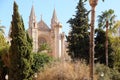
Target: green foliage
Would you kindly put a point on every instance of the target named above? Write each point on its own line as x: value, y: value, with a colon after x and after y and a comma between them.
x: 2, y: 29
x: 44, y: 47
x: 3, y: 67
x: 4, y: 62
x: 106, y: 73
x: 106, y: 16
x: 4, y: 53
x: 3, y: 70
x: 78, y: 38
x: 40, y: 60
x: 20, y: 50
x: 114, y: 31
x: 100, y: 48
x: 115, y: 74
x: 2, y: 40
x: 105, y: 20
x: 103, y: 72
x: 116, y: 51
x: 115, y: 40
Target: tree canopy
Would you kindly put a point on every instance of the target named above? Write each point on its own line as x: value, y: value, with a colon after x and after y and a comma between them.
x: 78, y: 38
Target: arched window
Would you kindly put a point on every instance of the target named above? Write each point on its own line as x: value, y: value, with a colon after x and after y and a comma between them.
x: 41, y: 41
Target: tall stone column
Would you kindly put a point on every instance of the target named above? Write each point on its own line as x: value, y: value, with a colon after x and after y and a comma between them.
x: 62, y: 45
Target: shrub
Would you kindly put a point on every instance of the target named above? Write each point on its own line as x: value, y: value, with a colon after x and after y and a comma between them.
x: 39, y: 61
x: 115, y: 75
x: 106, y: 73
x: 4, y: 61
x: 65, y: 71
x: 44, y: 48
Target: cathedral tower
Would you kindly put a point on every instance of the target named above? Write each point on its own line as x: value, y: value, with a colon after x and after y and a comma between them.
x: 33, y: 31
x: 56, y: 27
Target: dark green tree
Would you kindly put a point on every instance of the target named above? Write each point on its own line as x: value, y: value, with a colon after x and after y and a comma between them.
x: 100, y: 48
x: 20, y: 49
x: 78, y: 38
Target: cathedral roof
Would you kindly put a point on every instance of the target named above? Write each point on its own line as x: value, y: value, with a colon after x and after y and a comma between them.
x: 42, y: 26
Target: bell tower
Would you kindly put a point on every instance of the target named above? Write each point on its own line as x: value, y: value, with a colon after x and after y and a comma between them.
x: 33, y: 30
x: 56, y: 28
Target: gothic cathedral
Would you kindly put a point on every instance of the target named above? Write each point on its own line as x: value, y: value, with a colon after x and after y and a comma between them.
x: 41, y: 33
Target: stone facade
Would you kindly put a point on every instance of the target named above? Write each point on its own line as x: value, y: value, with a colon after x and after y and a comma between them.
x: 41, y: 33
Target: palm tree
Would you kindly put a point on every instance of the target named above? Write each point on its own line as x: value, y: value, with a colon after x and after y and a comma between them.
x: 115, y: 30
x: 93, y: 4
x: 105, y: 20
x: 1, y: 35
x: 1, y: 29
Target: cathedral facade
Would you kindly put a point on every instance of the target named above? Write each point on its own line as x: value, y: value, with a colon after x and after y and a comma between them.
x: 41, y: 33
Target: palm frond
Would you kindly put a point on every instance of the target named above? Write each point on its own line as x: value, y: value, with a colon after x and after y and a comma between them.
x: 103, y: 0
x: 2, y: 29
x: 106, y: 16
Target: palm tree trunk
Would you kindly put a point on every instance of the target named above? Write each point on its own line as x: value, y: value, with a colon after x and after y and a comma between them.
x: 93, y: 4
x: 92, y: 44
x: 106, y: 43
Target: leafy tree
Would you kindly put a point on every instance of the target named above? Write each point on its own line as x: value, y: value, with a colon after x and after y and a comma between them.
x: 78, y: 38
x: 39, y: 61
x: 2, y: 40
x: 4, y: 61
x: 116, y: 51
x: 3, y: 69
x: 115, y: 30
x: 1, y: 29
x: 44, y: 48
x: 106, y: 20
x: 114, y: 34
x: 4, y: 53
x: 20, y: 49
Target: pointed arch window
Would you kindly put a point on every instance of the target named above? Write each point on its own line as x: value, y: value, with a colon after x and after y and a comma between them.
x: 34, y: 24
x: 41, y: 41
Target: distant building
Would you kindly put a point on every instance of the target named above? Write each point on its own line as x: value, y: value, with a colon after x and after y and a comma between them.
x: 41, y: 33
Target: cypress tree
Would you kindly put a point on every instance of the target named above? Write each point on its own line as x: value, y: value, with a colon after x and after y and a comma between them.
x: 78, y: 38
x: 20, y: 49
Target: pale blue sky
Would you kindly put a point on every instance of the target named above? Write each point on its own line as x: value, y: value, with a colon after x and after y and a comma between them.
x: 64, y: 8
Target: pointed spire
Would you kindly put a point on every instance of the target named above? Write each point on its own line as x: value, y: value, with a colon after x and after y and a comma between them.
x: 54, y: 17
x: 32, y: 14
x: 41, y: 17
